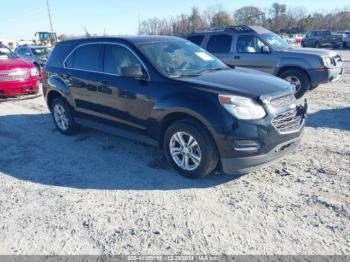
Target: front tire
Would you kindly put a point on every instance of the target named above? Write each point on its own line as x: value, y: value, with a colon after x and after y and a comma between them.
x: 190, y: 149
x: 299, y: 79
x: 63, y: 116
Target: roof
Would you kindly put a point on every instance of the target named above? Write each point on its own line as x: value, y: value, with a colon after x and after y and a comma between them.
x: 131, y: 39
x: 234, y: 29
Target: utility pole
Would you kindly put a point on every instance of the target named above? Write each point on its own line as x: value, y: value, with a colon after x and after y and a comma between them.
x: 48, y: 10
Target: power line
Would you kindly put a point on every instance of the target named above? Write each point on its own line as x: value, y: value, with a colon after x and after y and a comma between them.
x: 48, y: 10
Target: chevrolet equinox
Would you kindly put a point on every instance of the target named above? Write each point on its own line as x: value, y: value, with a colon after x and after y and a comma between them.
x: 206, y: 116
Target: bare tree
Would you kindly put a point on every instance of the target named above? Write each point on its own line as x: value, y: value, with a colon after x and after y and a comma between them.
x: 277, y: 18
x: 222, y: 18
x: 249, y: 15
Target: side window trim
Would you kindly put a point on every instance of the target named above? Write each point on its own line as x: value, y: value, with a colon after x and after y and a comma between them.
x: 103, y: 51
x: 72, y: 54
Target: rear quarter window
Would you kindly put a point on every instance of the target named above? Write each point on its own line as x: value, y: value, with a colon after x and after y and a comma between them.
x: 58, y: 55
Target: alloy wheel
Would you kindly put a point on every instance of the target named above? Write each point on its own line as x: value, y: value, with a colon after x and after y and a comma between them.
x: 294, y: 81
x: 185, y: 151
x: 61, y: 117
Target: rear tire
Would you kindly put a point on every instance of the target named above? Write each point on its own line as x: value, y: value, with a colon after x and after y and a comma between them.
x: 198, y: 160
x: 299, y: 78
x: 302, y: 44
x: 62, y: 115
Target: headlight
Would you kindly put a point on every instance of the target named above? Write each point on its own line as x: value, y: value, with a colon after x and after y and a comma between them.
x: 242, y: 107
x: 34, y: 71
x: 327, y: 61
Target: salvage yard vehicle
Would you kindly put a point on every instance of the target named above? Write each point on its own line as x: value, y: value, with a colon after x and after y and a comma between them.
x: 322, y: 38
x: 205, y: 115
x: 38, y: 55
x: 258, y: 48
x: 17, y: 76
x: 346, y: 38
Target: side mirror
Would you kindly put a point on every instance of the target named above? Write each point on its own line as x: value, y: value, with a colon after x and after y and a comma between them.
x: 134, y: 71
x: 265, y: 49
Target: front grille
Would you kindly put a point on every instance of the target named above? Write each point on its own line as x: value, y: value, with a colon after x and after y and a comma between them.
x: 14, y: 75
x: 287, y: 122
x: 282, y: 100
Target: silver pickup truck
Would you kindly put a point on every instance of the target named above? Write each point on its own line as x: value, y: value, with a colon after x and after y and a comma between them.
x: 258, y: 48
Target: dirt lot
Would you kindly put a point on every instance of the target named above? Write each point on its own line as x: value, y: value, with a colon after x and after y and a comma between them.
x: 95, y: 193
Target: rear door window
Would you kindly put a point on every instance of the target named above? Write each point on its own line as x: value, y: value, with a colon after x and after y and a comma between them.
x: 86, y: 57
x: 196, y: 39
x: 220, y: 43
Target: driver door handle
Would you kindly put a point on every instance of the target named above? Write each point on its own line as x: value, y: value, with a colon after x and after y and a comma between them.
x: 237, y: 57
x: 102, y: 87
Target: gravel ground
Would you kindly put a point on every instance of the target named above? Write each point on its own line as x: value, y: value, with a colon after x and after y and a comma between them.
x: 95, y: 193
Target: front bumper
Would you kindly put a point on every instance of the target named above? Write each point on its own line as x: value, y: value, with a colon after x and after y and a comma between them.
x: 244, y: 165
x: 325, y: 75
x: 18, y: 88
x: 255, y: 144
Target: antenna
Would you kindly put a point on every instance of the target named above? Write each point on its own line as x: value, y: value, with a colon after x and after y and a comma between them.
x: 48, y: 10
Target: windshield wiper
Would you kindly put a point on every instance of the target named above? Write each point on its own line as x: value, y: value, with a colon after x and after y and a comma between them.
x: 212, y: 70
x: 199, y: 73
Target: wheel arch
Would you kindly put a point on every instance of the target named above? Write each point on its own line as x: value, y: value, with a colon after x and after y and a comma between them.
x: 51, y: 96
x: 56, y: 88
x: 292, y: 67
x: 178, y: 115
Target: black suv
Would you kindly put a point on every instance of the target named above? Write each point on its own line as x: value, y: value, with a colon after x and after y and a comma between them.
x: 206, y: 116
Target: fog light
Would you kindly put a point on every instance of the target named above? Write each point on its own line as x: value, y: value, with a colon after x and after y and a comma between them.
x: 246, y: 145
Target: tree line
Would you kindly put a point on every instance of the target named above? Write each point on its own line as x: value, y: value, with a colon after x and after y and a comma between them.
x: 278, y: 18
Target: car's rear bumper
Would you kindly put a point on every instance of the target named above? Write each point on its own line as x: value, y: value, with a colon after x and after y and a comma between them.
x: 18, y: 88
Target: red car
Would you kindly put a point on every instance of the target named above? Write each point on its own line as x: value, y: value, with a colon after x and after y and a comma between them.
x: 17, y: 76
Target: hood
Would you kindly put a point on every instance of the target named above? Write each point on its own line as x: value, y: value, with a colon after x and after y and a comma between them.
x: 12, y: 63
x: 241, y: 81
x: 311, y: 51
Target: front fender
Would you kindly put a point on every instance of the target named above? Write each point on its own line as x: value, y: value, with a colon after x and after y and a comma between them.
x: 293, y: 62
x: 205, y: 108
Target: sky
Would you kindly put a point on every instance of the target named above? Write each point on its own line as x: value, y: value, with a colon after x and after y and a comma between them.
x: 21, y: 19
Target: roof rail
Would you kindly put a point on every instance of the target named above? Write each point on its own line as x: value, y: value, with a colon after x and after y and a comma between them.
x: 235, y: 28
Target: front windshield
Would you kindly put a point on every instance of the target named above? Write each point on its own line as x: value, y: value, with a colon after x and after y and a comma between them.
x: 5, y: 52
x: 40, y: 51
x: 180, y: 58
x: 275, y: 41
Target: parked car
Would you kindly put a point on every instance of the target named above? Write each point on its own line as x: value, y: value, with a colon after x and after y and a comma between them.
x: 322, y: 38
x: 17, y: 76
x: 35, y: 54
x: 258, y: 48
x: 205, y: 115
x: 294, y: 38
x: 346, y: 38
x: 298, y: 38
